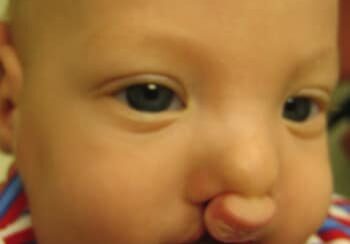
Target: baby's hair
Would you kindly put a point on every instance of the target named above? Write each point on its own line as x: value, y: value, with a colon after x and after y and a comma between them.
x: 30, y: 20
x: 18, y: 18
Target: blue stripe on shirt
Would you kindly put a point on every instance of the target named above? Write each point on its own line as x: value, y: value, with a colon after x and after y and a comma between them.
x: 9, y: 194
x: 331, y: 224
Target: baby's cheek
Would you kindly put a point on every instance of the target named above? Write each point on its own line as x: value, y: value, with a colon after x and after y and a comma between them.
x: 101, y: 206
x: 84, y: 214
x: 303, y: 201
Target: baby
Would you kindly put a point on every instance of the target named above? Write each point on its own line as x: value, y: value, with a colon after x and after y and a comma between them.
x: 168, y: 122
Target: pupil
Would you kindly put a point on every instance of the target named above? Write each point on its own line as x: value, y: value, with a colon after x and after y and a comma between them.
x: 151, y: 92
x: 149, y: 97
x: 297, y: 109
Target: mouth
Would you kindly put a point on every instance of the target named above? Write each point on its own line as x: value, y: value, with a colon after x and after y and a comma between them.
x: 207, y: 239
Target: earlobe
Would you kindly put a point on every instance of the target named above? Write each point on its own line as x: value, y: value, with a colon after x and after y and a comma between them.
x: 10, y: 85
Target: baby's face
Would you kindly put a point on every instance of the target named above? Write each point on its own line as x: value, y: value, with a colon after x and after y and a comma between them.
x: 152, y: 121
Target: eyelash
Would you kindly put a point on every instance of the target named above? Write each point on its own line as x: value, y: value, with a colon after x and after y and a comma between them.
x: 154, y: 87
x: 136, y: 95
x: 149, y: 93
x: 314, y: 108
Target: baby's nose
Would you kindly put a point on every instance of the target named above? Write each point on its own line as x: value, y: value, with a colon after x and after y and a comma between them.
x: 232, y: 218
x: 235, y: 171
x: 243, y: 162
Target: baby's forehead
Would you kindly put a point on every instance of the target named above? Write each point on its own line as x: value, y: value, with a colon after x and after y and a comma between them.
x: 121, y: 5
x: 227, y: 17
x: 63, y: 7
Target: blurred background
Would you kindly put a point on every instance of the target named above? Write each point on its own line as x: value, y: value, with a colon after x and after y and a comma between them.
x: 339, y: 121
x: 339, y: 118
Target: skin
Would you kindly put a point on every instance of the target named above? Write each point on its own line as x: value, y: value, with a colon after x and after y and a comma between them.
x: 345, y: 40
x: 98, y: 171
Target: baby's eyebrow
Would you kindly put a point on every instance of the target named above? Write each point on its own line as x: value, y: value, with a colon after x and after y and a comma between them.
x: 316, y: 64
x: 172, y: 46
x: 320, y: 67
x: 316, y: 56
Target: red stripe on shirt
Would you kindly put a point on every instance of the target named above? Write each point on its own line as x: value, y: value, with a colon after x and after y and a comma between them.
x: 345, y: 222
x: 333, y: 234
x: 21, y: 237
x: 15, y: 210
x: 341, y: 202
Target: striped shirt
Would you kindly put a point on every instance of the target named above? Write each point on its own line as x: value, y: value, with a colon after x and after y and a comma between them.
x: 15, y: 223
x: 16, y: 228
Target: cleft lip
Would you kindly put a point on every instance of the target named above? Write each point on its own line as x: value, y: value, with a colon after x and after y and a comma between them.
x: 235, y: 219
x: 231, y: 218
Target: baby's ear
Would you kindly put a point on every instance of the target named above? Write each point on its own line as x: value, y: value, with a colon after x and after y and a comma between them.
x: 10, y: 84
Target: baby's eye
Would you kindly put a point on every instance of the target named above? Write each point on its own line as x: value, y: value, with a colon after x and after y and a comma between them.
x: 150, y: 97
x: 300, y: 109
